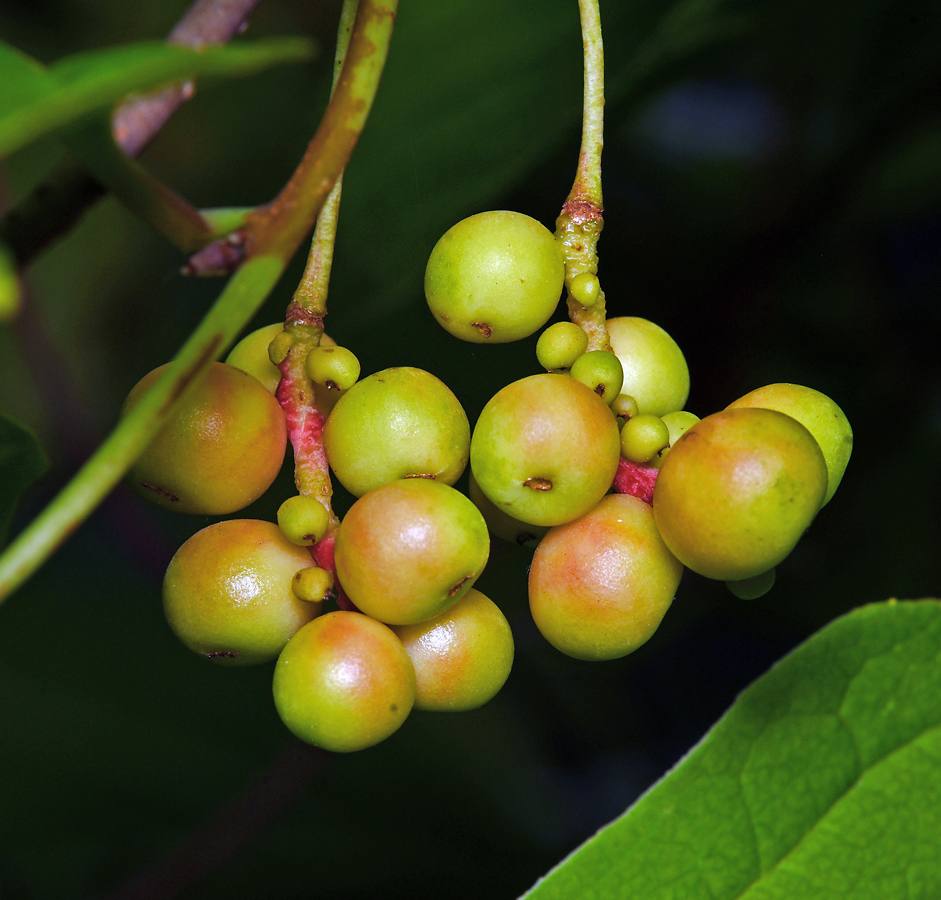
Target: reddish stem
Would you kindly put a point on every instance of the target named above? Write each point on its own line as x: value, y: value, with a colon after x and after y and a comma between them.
x: 636, y: 480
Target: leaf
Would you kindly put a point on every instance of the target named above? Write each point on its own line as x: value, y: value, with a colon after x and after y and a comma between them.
x: 44, y: 100
x: 22, y: 461
x: 823, y: 780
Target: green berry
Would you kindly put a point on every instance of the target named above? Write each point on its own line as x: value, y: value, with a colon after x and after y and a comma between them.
x: 336, y: 368
x: 600, y: 585
x: 678, y: 423
x: 494, y: 277
x: 560, y: 345
x: 737, y: 491
x: 752, y: 588
x: 461, y: 658
x: 655, y: 371
x: 624, y: 406
x: 643, y: 437
x: 818, y: 414
x: 312, y: 584
x: 398, y: 423
x: 219, y: 451
x: 545, y: 449
x: 601, y: 372
x: 409, y: 550
x: 304, y: 520
x: 344, y: 682
x: 585, y: 288
x: 227, y: 591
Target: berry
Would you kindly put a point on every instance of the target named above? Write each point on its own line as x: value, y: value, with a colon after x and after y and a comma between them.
x: 736, y: 492
x: 585, y: 288
x: 678, y: 423
x: 818, y: 414
x: 398, y: 423
x: 500, y: 523
x: 752, y: 588
x: 599, y: 586
x: 560, y: 345
x: 335, y: 368
x: 601, y: 372
x: 344, y: 682
x: 643, y: 437
x: 408, y: 550
x: 494, y: 277
x: 312, y: 585
x: 251, y: 355
x: 304, y: 520
x: 227, y: 591
x: 545, y: 449
x: 655, y: 371
x: 624, y: 406
x: 461, y: 658
x: 219, y: 451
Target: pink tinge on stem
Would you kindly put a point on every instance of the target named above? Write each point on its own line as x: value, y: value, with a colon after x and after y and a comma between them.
x: 636, y: 480
x: 322, y: 554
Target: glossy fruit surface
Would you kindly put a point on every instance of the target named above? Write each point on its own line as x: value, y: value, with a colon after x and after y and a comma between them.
x: 499, y: 523
x: 227, y: 592
x: 737, y: 490
x: 601, y: 372
x: 408, y: 550
x: 397, y: 423
x: 219, y: 451
x: 250, y: 354
x: 818, y: 414
x: 599, y: 586
x: 655, y: 371
x: 545, y: 449
x: 560, y: 345
x: 461, y: 658
x: 344, y: 682
x: 494, y: 277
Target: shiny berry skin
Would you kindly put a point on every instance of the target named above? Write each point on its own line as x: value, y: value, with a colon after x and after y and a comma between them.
x: 545, y: 449
x: 344, y: 682
x: 398, y: 423
x: 494, y: 277
x: 250, y: 355
x: 227, y: 592
x: 409, y: 550
x: 599, y: 586
x: 461, y: 658
x: 219, y: 451
x: 737, y: 490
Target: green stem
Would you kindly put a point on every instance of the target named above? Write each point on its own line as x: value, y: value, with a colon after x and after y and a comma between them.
x: 238, y: 302
x: 580, y: 222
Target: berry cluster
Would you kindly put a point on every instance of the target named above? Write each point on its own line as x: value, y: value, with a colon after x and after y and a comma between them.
x: 594, y: 461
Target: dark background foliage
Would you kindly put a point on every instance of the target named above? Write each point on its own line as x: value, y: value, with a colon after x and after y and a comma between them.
x: 773, y: 199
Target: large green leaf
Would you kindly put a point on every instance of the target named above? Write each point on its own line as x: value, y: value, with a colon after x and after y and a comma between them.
x: 41, y: 100
x: 823, y: 780
x: 22, y: 461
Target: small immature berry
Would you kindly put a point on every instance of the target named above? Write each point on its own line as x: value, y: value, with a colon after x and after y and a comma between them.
x: 312, y: 584
x: 585, y: 288
x: 643, y: 437
x: 334, y: 367
x: 560, y: 345
x: 601, y: 371
x: 624, y: 406
x: 754, y: 587
x: 304, y: 520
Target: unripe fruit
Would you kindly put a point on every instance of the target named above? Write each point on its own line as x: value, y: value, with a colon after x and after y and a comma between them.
x: 461, y: 658
x: 251, y: 355
x: 312, y: 585
x: 545, y: 449
x: 754, y: 587
x: 344, y: 682
x: 655, y: 371
x: 219, y: 451
x: 585, y: 288
x: 643, y: 437
x: 818, y: 414
x: 408, y: 550
x: 494, y: 277
x: 227, y: 591
x: 560, y: 345
x: 398, y: 423
x: 601, y: 372
x: 335, y: 368
x: 303, y: 520
x: 737, y: 491
x: 599, y: 586
x: 678, y: 423
x: 499, y: 523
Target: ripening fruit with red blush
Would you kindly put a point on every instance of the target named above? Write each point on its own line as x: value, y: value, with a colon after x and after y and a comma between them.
x: 344, y: 682
x: 461, y: 658
x: 599, y: 586
x: 227, y: 592
x: 219, y: 451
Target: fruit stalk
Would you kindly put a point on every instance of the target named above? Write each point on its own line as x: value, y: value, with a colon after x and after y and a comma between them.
x: 580, y: 222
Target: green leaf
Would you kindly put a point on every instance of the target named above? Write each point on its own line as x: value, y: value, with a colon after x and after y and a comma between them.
x: 22, y: 461
x: 823, y: 780
x: 45, y: 100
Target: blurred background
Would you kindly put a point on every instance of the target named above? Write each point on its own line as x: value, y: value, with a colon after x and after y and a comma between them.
x: 772, y: 176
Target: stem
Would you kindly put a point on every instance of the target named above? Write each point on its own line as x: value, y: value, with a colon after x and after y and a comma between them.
x: 236, y: 305
x: 580, y: 222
